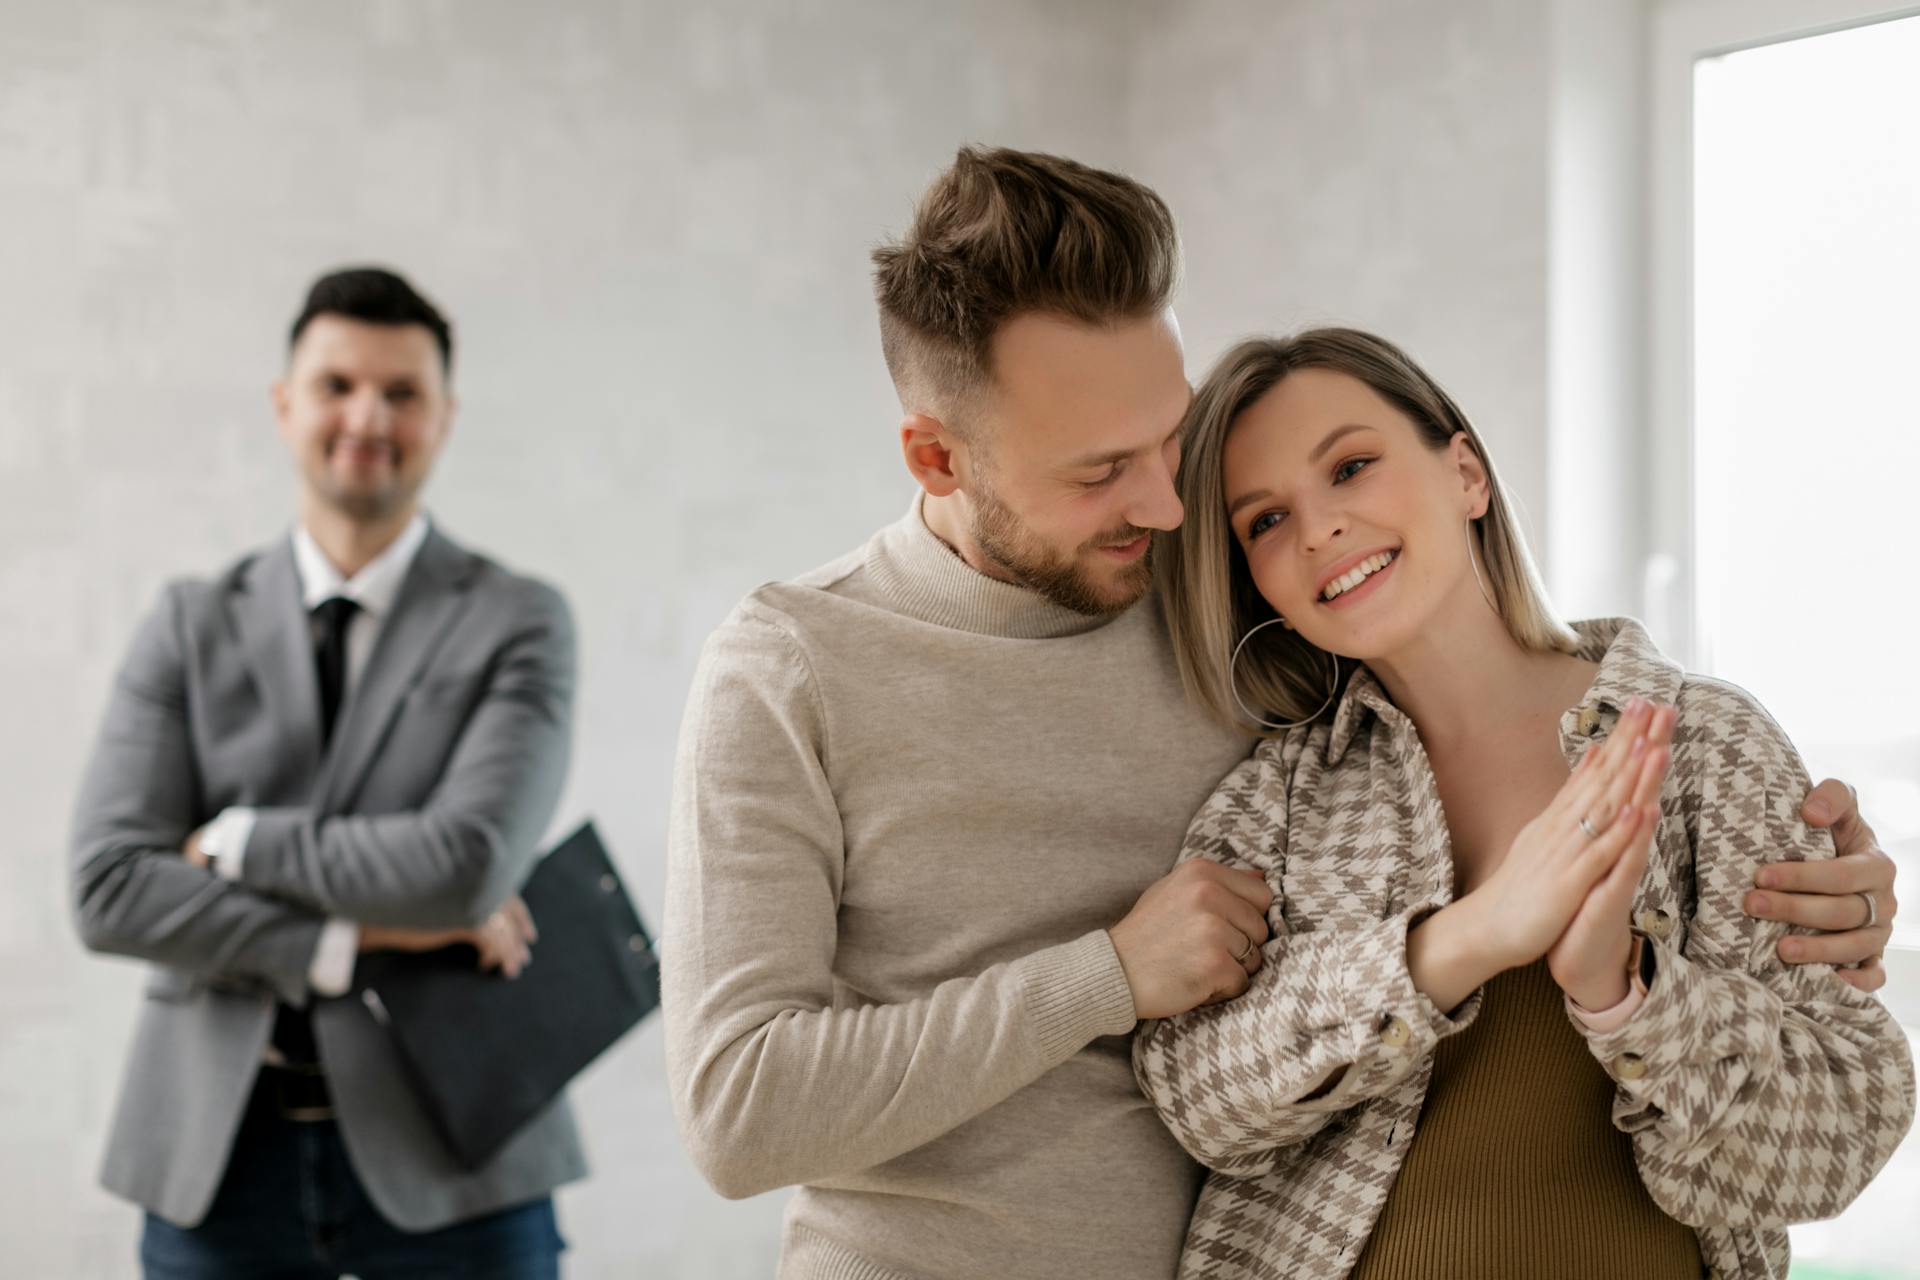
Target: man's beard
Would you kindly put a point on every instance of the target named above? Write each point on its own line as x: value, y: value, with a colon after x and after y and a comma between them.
x: 1012, y: 547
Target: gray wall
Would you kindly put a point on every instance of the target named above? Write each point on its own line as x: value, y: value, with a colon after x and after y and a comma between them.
x: 650, y: 223
x: 1378, y: 163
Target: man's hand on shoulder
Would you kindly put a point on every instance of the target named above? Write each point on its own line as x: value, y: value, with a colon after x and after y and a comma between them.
x: 1849, y: 898
x: 1193, y: 938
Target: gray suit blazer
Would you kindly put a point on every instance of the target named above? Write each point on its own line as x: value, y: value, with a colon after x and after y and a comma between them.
x: 443, y: 771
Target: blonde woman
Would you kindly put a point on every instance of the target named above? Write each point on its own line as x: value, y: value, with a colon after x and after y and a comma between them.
x: 1511, y: 1019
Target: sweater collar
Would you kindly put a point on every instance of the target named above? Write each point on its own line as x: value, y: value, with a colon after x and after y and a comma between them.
x: 927, y: 580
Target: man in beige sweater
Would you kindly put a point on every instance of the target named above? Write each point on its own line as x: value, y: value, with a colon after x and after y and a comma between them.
x: 928, y: 795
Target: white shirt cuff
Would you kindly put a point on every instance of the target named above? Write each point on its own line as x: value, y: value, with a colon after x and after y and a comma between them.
x: 331, y: 972
x: 227, y: 836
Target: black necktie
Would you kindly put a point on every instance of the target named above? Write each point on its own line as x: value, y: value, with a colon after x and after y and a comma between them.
x: 292, y: 1028
x: 330, y: 621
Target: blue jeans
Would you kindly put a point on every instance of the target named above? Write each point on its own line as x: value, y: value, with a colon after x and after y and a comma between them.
x: 290, y: 1208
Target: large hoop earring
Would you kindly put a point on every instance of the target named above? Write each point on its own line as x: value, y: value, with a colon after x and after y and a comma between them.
x: 1233, y: 683
x: 1473, y: 564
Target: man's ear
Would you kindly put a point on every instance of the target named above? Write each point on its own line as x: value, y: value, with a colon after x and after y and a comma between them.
x: 934, y: 455
x: 280, y: 396
x: 1474, y: 481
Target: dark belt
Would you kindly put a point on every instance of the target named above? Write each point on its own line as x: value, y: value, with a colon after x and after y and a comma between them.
x: 294, y: 1091
x: 293, y: 1083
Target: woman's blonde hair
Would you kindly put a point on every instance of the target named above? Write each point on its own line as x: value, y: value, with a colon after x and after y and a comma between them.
x: 1210, y: 596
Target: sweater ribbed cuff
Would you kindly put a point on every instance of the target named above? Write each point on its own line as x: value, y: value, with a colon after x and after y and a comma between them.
x: 808, y: 1255
x: 1075, y: 992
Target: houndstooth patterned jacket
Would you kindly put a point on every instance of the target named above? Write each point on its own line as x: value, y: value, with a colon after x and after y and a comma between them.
x: 1756, y: 1093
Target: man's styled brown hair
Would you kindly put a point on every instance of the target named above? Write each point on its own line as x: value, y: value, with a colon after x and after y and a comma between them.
x: 1001, y: 233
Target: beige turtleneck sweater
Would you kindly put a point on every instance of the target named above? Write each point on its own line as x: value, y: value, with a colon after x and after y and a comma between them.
x: 908, y: 803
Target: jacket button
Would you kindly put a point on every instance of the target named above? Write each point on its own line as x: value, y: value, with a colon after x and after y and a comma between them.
x: 1655, y: 923
x: 1630, y: 1066
x: 1395, y: 1033
x: 1589, y: 721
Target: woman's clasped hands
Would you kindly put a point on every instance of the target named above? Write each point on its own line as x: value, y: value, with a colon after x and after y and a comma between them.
x: 1565, y: 889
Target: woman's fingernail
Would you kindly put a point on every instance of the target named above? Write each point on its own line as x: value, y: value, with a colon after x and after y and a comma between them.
x: 1819, y: 811
x: 1758, y: 904
x: 1793, y: 948
x: 1767, y: 878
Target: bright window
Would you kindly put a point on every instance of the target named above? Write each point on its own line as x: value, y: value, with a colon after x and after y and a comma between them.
x: 1805, y: 468
x: 1806, y: 409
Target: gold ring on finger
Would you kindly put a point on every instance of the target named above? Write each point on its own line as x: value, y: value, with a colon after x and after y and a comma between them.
x: 1247, y: 951
x: 1588, y: 829
x: 1873, y: 910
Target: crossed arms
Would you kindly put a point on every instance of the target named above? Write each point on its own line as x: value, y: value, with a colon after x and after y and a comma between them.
x: 447, y: 864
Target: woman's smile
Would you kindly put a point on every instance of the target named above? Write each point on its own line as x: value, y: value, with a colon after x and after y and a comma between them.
x: 1357, y: 579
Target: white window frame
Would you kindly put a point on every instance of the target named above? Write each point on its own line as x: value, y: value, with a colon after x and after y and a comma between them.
x: 1684, y: 31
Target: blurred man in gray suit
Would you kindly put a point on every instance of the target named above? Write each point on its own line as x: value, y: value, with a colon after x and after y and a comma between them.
x: 348, y: 741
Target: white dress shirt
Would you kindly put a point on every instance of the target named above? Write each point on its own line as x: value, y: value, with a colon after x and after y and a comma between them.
x: 373, y: 589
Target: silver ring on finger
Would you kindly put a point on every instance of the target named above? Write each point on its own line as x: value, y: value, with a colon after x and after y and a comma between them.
x: 1588, y: 829
x: 1873, y: 909
x: 1242, y: 957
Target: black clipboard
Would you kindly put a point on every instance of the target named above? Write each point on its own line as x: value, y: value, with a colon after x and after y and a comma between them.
x: 486, y: 1053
